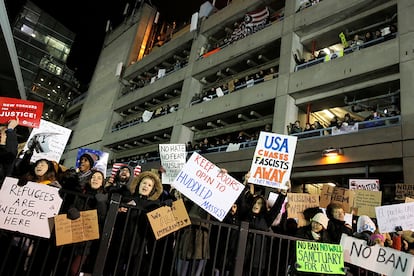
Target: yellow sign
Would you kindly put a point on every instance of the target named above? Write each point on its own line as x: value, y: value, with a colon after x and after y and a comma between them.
x: 82, y: 229
x: 166, y: 220
x: 319, y: 257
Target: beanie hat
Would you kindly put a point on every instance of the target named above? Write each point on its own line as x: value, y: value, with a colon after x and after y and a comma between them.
x: 365, y: 223
x: 92, y: 158
x: 322, y: 219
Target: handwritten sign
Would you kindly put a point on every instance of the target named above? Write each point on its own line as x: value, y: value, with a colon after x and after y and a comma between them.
x: 166, y: 220
x: 28, y: 112
x: 365, y: 202
x: 273, y: 160
x: 326, y: 194
x: 299, y: 202
x: 343, y: 196
x: 403, y: 190
x: 49, y: 141
x: 390, y: 216
x: 27, y: 208
x: 409, y: 199
x: 319, y: 257
x: 172, y: 159
x: 380, y: 259
x: 85, y: 228
x: 204, y: 183
x: 364, y: 184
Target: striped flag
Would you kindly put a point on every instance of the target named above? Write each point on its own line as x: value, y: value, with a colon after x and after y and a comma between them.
x: 257, y: 16
x: 115, y: 168
x: 253, y: 22
x: 137, y: 170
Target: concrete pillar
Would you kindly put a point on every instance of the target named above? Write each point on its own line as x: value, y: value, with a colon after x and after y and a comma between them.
x: 406, y: 39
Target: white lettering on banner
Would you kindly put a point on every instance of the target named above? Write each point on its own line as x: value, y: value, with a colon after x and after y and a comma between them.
x: 383, y: 260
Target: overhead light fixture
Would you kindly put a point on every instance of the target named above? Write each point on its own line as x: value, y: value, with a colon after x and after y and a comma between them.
x: 329, y: 152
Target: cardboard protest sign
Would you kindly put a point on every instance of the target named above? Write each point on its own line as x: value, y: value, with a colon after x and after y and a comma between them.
x: 27, y: 208
x: 343, y: 196
x: 319, y: 257
x: 28, y: 112
x: 48, y: 141
x: 380, y: 259
x: 390, y: 216
x: 409, y: 199
x: 365, y: 202
x: 166, y: 220
x: 273, y: 160
x: 326, y: 194
x: 85, y: 228
x: 364, y: 184
x: 403, y: 190
x: 204, y: 183
x: 100, y: 158
x: 172, y: 159
x: 298, y: 202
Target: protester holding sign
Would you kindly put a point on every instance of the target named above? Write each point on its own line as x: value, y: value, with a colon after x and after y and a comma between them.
x: 94, y: 198
x: 146, y: 189
x: 8, y: 148
x: 254, y: 210
x: 42, y: 172
x: 120, y: 182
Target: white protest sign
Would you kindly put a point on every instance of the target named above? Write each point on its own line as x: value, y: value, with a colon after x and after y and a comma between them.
x: 273, y: 160
x: 27, y: 208
x: 48, y: 141
x: 172, y: 159
x: 390, y: 216
x: 204, y: 183
x: 364, y: 184
x: 380, y: 259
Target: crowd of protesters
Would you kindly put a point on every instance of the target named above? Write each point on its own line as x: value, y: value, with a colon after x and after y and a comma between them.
x: 144, y: 192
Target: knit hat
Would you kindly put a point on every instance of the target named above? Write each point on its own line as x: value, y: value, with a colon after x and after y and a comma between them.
x: 365, y: 223
x: 92, y: 158
x: 322, y: 219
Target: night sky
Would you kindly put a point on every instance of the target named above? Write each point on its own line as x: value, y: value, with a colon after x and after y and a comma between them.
x: 87, y: 18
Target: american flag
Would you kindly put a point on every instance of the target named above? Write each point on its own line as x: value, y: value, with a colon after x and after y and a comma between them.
x: 116, y: 166
x: 253, y: 22
x: 257, y: 16
x: 137, y: 170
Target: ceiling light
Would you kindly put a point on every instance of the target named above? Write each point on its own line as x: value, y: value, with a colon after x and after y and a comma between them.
x: 332, y: 152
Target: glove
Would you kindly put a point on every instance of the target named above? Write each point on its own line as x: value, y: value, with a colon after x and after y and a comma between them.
x: 168, y: 202
x: 100, y: 197
x: 73, y: 213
